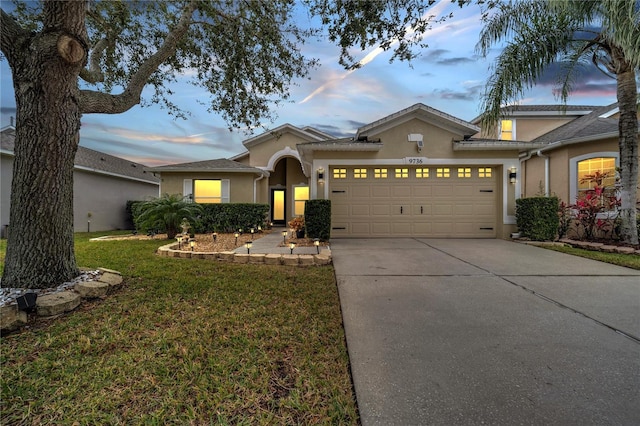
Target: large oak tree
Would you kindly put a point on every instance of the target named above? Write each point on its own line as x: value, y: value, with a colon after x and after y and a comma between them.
x: 70, y: 58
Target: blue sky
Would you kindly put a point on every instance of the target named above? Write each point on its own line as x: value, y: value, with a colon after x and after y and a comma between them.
x: 448, y: 76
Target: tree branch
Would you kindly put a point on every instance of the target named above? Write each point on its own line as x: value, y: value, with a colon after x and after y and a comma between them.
x: 11, y: 34
x: 94, y: 73
x: 96, y: 102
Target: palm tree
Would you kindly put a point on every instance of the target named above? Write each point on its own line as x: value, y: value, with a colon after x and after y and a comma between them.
x: 573, y: 32
x: 167, y: 213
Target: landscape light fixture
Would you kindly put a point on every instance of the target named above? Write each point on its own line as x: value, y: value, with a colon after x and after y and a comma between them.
x: 248, y: 246
x: 179, y: 238
x: 27, y: 302
x: 284, y: 237
x: 252, y: 231
x: 192, y: 243
x: 316, y: 242
x: 512, y: 175
x: 215, y: 237
x: 237, y: 234
x: 292, y: 245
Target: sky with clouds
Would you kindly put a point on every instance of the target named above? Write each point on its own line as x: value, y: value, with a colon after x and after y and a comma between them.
x: 448, y: 76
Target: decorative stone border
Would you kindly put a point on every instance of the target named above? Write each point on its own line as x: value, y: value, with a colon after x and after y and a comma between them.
x: 586, y: 245
x: 324, y: 258
x: 59, y: 302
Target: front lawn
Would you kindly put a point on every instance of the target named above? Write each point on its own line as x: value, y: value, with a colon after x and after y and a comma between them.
x: 184, y: 342
x: 627, y: 260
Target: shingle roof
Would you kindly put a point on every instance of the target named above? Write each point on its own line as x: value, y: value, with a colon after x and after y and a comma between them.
x: 90, y: 160
x: 218, y: 165
x: 585, y: 127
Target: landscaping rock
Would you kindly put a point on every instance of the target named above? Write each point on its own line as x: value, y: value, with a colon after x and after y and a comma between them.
x: 256, y: 258
x: 227, y: 256
x: 625, y: 250
x: 608, y: 249
x: 290, y: 260
x: 109, y: 271
x: 305, y: 259
x: 57, y: 303
x: 92, y: 289
x: 113, y: 279
x: 273, y: 259
x: 11, y: 318
x: 322, y: 259
x: 241, y: 258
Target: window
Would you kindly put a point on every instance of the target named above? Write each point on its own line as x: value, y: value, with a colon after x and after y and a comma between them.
x: 300, y: 195
x: 506, y: 130
x: 207, y: 191
x: 422, y: 173
x: 380, y: 173
x: 339, y: 173
x: 402, y: 173
x: 464, y: 172
x: 599, y: 171
x: 484, y: 172
x: 442, y: 172
x: 359, y: 173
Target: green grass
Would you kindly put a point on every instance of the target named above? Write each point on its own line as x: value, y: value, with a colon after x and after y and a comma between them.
x: 627, y: 260
x: 185, y: 342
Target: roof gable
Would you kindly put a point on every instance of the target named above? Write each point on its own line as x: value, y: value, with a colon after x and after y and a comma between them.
x: 421, y: 112
x: 588, y: 127
x: 305, y: 135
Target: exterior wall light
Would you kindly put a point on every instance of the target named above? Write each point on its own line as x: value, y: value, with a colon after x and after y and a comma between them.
x: 512, y: 174
x: 320, y: 173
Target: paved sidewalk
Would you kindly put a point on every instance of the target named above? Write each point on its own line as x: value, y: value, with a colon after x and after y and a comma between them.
x: 469, y: 332
x: 270, y: 244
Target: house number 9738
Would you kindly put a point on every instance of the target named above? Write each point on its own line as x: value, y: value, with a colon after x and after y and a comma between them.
x: 415, y: 160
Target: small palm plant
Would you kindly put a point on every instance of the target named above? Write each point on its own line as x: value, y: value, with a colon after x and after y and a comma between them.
x: 167, y: 212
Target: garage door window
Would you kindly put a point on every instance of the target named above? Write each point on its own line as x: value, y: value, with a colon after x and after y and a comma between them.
x: 402, y: 173
x: 339, y: 173
x: 443, y: 172
x: 464, y: 172
x: 380, y: 173
x: 359, y: 173
x: 422, y: 173
x: 484, y: 172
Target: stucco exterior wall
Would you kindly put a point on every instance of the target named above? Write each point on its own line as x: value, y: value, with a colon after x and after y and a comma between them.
x: 527, y: 129
x: 240, y: 184
x: 262, y: 153
x: 105, y: 197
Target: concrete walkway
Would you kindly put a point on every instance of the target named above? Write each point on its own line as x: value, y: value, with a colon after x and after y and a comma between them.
x: 270, y: 244
x: 468, y: 332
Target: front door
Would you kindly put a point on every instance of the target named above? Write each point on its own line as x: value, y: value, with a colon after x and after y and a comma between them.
x: 278, y: 208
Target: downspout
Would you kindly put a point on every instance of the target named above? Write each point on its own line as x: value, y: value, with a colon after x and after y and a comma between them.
x: 255, y: 187
x: 546, y: 171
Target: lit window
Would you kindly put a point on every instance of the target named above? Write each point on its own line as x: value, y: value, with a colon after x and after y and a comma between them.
x: 464, y: 172
x: 506, y: 130
x: 484, y: 172
x: 207, y: 191
x: 402, y: 173
x: 300, y: 195
x: 422, y: 173
x: 380, y: 173
x: 596, y: 171
x: 443, y: 172
x: 360, y: 173
x: 339, y: 173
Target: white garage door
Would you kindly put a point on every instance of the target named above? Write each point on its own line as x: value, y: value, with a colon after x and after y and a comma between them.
x: 437, y: 202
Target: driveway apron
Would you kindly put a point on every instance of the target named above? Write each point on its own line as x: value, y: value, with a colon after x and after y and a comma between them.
x: 468, y: 332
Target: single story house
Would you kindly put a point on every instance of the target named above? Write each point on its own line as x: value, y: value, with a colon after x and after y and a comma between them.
x: 417, y: 172
x: 102, y: 185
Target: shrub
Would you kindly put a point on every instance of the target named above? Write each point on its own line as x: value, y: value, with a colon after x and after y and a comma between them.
x: 317, y: 215
x: 166, y: 214
x: 231, y: 217
x: 132, y: 209
x: 537, y: 217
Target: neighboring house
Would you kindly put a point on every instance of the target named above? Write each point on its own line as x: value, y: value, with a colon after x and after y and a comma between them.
x: 418, y: 172
x: 102, y: 185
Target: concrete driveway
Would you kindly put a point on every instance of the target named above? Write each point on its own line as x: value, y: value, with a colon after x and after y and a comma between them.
x: 469, y: 332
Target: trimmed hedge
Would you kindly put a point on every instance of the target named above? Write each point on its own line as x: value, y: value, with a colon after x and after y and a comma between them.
x: 133, y: 211
x: 537, y: 218
x: 317, y: 219
x: 231, y: 217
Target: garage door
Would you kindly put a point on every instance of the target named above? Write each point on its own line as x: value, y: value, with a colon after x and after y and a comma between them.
x: 437, y: 202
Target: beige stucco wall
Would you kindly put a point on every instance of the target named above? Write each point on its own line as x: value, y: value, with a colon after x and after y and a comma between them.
x: 262, y: 152
x: 528, y: 129
x: 240, y: 184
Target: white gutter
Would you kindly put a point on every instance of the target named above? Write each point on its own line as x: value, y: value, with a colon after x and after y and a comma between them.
x: 255, y: 187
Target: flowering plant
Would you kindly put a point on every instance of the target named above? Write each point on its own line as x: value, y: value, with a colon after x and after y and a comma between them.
x: 297, y: 223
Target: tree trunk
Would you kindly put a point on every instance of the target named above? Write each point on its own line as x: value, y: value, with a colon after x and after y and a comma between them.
x: 628, y: 146
x: 40, y: 251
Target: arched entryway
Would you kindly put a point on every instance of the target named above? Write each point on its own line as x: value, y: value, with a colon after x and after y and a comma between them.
x: 288, y: 189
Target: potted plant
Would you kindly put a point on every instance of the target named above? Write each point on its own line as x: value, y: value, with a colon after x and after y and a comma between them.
x: 297, y: 224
